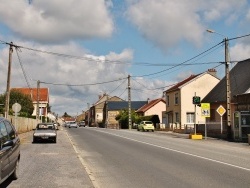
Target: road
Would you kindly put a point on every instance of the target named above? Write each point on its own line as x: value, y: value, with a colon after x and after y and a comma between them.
x: 124, y: 158
x: 94, y: 157
x: 49, y: 165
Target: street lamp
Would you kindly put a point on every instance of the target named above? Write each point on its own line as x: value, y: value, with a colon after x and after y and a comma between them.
x: 228, y: 90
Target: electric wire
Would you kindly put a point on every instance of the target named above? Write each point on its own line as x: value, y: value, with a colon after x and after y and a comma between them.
x: 77, y: 85
x: 21, y: 65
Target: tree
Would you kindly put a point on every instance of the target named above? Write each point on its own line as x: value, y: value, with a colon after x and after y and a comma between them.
x: 16, y: 96
x: 122, y: 117
x: 66, y: 115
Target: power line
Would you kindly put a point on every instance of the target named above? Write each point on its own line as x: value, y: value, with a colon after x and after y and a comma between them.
x: 77, y: 85
x: 20, y: 62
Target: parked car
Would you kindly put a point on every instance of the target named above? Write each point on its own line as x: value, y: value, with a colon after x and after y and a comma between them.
x: 146, y: 126
x: 73, y: 124
x: 45, y: 131
x: 9, y: 150
x: 81, y: 124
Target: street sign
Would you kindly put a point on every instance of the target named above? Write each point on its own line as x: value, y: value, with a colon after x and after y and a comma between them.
x: 221, y: 110
x: 205, y: 109
x: 16, y: 107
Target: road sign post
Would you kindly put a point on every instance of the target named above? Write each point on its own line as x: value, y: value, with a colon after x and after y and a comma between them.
x: 221, y: 110
x: 205, y: 112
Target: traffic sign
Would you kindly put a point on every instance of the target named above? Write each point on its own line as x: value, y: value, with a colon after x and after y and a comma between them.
x: 205, y: 109
x: 16, y: 107
x: 221, y: 110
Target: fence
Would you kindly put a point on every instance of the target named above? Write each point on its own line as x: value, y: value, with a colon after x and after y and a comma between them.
x: 22, y: 124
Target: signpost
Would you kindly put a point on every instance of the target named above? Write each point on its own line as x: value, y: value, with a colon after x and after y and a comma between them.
x: 16, y: 108
x: 221, y: 110
x: 205, y: 112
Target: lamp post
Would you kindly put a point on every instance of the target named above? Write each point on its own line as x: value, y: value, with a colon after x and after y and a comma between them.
x: 228, y: 89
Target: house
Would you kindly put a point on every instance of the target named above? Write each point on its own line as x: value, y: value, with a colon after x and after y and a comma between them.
x: 153, y: 107
x: 112, y: 109
x: 43, y: 96
x: 239, y: 104
x: 95, y: 117
x: 180, y: 111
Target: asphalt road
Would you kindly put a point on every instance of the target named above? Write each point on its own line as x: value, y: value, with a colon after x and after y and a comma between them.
x: 92, y: 157
x: 124, y: 158
x: 49, y: 165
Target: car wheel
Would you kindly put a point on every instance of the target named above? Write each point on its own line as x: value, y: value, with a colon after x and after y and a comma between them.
x: 15, y: 174
x: 34, y: 140
x: 55, y: 141
x: 138, y: 129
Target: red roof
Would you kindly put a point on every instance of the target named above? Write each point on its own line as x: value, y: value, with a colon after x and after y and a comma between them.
x: 176, y: 87
x: 150, y: 105
x: 43, y: 93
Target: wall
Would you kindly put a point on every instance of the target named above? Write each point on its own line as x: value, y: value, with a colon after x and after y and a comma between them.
x: 22, y: 124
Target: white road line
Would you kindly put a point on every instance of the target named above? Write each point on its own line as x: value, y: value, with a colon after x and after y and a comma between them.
x: 177, y: 151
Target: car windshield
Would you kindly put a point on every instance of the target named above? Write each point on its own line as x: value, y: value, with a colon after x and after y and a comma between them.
x: 45, y: 127
x: 148, y: 122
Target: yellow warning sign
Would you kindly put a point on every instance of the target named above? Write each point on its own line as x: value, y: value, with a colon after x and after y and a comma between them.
x: 205, y: 109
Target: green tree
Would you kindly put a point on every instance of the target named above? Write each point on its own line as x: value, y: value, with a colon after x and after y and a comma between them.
x: 17, y: 97
x: 66, y: 115
x: 122, y: 117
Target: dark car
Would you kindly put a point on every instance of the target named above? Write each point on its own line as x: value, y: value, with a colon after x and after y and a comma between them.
x: 45, y: 132
x: 9, y: 151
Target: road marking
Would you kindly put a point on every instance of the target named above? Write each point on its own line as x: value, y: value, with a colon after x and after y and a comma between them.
x: 177, y: 151
x: 91, y: 177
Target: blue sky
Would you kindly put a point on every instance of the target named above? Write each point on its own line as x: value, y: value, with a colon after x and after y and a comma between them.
x: 115, y: 39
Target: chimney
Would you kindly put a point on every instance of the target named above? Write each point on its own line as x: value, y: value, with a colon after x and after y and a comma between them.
x: 212, y: 72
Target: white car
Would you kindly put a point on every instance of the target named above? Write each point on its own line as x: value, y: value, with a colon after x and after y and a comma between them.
x: 73, y: 125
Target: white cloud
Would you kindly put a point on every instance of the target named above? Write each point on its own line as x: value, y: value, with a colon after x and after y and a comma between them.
x: 73, y: 72
x: 56, y: 21
x: 240, y: 52
x: 167, y: 23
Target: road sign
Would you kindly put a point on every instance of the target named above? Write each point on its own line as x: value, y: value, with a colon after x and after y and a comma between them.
x: 205, y: 109
x: 16, y: 107
x: 221, y: 110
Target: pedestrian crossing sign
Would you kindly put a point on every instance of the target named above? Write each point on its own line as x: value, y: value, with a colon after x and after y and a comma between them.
x: 205, y: 109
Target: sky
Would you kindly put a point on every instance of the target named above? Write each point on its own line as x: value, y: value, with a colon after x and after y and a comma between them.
x: 81, y: 49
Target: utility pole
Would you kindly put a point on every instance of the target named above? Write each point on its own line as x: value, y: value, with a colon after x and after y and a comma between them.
x: 37, y: 98
x: 129, y: 104
x: 228, y: 89
x: 7, y: 100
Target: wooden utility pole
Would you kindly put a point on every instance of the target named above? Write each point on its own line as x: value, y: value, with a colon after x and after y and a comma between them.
x: 7, y: 99
x: 129, y: 104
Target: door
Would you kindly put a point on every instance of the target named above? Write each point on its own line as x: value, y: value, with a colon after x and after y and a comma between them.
x: 5, y: 151
x: 15, y: 150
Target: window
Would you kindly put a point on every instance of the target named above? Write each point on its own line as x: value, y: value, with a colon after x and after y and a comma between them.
x: 167, y: 100
x: 177, y: 118
x: 10, y: 130
x: 190, y: 117
x: 3, y: 134
x: 176, y: 98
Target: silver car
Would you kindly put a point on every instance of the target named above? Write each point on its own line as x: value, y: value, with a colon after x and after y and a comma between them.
x: 45, y: 132
x: 73, y: 124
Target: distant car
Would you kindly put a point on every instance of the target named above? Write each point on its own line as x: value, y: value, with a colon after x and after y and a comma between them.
x: 66, y: 124
x: 146, y: 126
x: 56, y: 126
x: 73, y: 124
x: 45, y: 132
x: 81, y: 124
x: 9, y: 151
